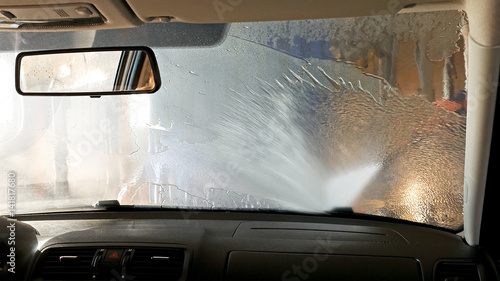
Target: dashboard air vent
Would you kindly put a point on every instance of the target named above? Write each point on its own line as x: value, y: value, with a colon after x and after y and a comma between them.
x: 157, y: 264
x: 65, y: 264
x: 457, y: 271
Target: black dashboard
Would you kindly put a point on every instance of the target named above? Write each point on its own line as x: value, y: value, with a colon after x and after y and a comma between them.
x: 199, y: 245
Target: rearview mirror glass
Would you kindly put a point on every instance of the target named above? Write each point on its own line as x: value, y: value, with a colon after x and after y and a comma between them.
x: 87, y: 72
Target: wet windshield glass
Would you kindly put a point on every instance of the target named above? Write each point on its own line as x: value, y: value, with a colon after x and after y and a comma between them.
x: 365, y: 113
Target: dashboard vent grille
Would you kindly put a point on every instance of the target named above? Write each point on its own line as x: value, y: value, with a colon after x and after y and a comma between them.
x: 62, y: 13
x: 457, y: 271
x: 157, y: 264
x: 65, y: 264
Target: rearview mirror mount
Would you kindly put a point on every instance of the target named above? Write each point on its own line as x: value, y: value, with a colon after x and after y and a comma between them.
x: 87, y: 72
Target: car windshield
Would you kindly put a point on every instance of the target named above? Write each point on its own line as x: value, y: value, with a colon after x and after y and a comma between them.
x: 307, y: 116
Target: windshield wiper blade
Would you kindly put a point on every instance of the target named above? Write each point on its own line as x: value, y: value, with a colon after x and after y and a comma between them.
x: 106, y: 204
x: 115, y: 205
x: 341, y: 210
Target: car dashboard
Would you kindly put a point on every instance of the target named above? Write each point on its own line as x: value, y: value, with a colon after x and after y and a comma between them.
x: 201, y: 245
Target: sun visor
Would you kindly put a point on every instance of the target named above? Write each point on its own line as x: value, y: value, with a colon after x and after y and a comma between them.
x: 168, y: 35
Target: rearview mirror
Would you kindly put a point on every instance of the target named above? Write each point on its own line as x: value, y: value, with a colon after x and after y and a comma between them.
x: 87, y: 72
